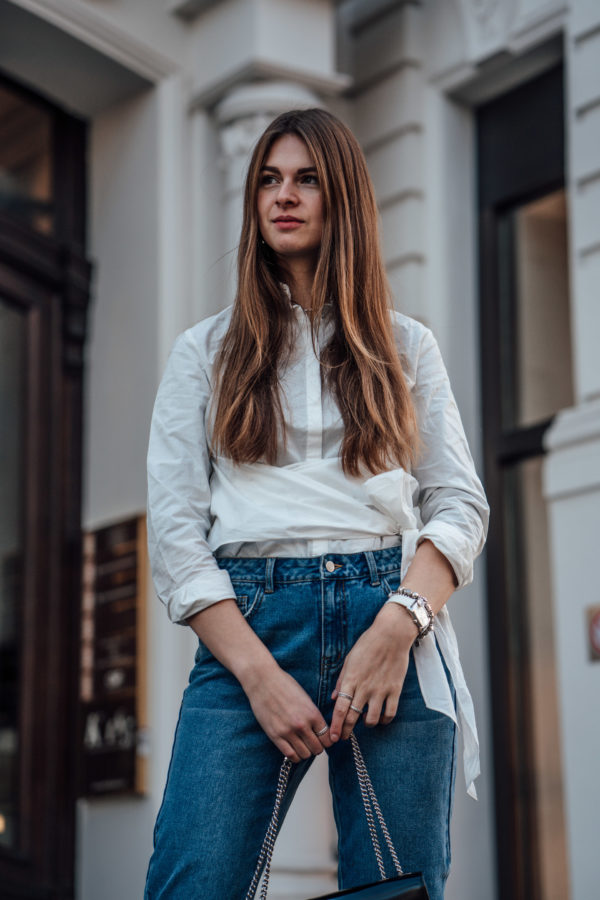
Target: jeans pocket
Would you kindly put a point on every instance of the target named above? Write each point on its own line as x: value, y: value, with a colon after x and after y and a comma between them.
x: 390, y: 582
x: 249, y: 599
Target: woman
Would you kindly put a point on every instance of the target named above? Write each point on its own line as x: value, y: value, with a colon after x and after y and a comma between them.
x: 308, y: 478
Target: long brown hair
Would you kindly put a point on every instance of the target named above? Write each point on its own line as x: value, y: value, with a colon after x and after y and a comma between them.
x: 360, y: 362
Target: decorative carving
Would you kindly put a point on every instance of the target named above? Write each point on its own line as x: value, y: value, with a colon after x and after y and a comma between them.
x: 238, y: 137
x: 485, y: 23
x: 483, y: 10
x: 247, y: 110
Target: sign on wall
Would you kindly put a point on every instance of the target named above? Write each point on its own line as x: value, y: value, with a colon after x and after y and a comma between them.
x: 113, y: 659
x: 593, y: 621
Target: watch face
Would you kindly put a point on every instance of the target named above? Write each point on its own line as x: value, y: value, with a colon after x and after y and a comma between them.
x: 421, y: 615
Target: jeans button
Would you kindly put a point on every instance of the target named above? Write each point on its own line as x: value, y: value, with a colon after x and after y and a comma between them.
x: 330, y: 566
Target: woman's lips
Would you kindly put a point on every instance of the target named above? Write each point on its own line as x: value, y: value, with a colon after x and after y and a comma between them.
x: 287, y: 224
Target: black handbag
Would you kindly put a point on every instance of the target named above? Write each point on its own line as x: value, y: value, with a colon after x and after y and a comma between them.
x: 407, y: 886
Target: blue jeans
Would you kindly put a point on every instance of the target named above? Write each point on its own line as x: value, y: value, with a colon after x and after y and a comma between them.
x: 223, y: 773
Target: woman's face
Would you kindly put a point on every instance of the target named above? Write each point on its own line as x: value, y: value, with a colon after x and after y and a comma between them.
x: 290, y: 203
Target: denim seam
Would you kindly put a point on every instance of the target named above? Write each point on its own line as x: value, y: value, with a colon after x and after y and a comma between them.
x: 450, y: 797
x: 337, y: 817
x: 310, y: 578
x: 323, y: 663
x: 255, y: 605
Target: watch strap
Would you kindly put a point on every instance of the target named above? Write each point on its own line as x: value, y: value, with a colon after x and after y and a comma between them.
x: 418, y: 608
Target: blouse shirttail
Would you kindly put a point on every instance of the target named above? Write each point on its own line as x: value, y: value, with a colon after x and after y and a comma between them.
x: 201, y: 505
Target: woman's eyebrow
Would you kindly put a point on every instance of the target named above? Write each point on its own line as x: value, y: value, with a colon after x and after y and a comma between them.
x: 302, y: 171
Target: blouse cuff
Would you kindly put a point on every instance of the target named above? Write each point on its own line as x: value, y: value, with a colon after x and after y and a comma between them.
x: 199, y: 594
x: 454, y: 545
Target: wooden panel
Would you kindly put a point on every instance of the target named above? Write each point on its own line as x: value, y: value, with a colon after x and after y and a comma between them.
x: 113, y: 659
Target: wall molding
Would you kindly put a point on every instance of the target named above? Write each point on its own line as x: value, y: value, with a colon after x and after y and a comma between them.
x: 358, y: 15
x: 574, y: 426
x: 189, y: 9
x: 82, y: 23
x: 258, y: 70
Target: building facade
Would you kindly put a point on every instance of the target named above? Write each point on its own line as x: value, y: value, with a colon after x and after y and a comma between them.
x: 125, y: 129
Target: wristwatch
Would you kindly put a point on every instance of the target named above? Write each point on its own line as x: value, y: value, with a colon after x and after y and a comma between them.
x: 418, y: 609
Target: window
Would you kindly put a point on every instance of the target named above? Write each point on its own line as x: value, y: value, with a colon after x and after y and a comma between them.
x: 527, y: 378
x: 44, y: 288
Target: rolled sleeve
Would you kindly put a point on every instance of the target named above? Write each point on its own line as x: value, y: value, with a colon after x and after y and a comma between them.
x: 186, y: 575
x: 454, y: 510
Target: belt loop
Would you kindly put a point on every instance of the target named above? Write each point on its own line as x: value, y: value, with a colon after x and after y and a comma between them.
x: 269, y: 569
x: 372, y: 568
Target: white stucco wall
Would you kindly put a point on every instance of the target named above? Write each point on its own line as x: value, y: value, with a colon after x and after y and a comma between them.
x: 121, y: 379
x: 572, y: 468
x: 139, y: 237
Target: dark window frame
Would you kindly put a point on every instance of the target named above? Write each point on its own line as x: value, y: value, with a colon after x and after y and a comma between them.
x: 520, y: 152
x: 48, y: 277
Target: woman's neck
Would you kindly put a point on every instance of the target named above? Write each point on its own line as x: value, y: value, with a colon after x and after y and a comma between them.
x: 299, y: 279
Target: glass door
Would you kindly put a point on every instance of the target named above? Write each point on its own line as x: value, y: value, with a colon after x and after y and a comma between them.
x: 13, y: 392
x: 536, y: 376
x: 44, y: 291
x: 527, y: 379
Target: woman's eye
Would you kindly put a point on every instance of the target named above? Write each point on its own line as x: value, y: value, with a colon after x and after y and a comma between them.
x: 267, y: 179
x: 310, y: 179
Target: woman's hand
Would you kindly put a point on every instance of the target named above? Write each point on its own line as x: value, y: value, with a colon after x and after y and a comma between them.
x: 375, y: 668
x: 373, y: 672
x: 286, y: 713
x: 282, y: 707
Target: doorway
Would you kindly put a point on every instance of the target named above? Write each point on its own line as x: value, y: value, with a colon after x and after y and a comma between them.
x: 526, y: 379
x: 44, y: 293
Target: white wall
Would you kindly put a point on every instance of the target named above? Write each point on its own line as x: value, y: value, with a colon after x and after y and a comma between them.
x: 572, y: 488
x: 138, y: 219
x: 121, y: 379
x: 124, y: 310
x: 452, y: 302
x: 572, y: 469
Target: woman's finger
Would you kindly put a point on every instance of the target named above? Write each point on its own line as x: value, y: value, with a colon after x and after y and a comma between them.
x: 390, y: 709
x: 321, y: 731
x: 354, y: 713
x: 311, y: 741
x: 373, y: 713
x: 337, y: 687
x: 300, y: 747
x: 344, y: 699
x: 286, y: 748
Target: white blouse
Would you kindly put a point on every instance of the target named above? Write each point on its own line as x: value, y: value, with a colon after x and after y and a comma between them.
x: 201, y: 505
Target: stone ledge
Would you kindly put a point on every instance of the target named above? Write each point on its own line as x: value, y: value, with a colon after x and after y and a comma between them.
x: 572, y: 466
x: 574, y: 426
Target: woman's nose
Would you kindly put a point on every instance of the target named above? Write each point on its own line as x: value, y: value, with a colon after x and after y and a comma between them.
x: 286, y: 193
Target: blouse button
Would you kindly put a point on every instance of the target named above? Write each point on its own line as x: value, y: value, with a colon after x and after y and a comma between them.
x: 330, y: 566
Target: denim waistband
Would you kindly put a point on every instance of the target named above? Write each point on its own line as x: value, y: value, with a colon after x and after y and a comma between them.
x: 284, y: 569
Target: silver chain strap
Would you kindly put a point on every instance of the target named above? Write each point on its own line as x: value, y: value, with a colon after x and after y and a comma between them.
x: 266, y: 851
x: 370, y: 804
x: 369, y: 799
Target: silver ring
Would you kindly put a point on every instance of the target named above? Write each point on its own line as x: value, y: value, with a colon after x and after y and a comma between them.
x: 345, y: 696
x: 322, y: 731
x: 356, y: 709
